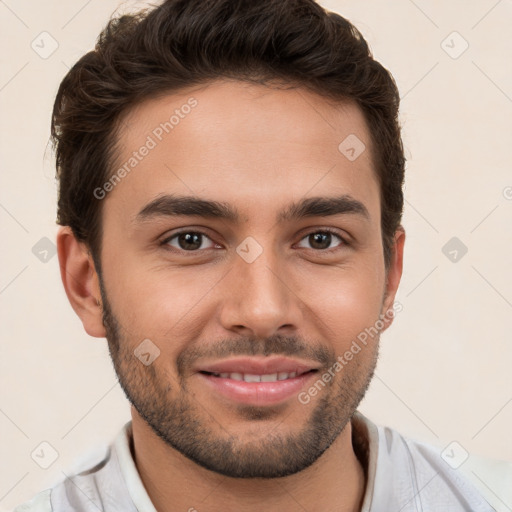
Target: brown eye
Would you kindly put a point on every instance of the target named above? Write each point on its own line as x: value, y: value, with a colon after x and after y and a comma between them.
x: 322, y: 240
x: 188, y: 241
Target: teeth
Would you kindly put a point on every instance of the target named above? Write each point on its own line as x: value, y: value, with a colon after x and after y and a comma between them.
x: 250, y: 377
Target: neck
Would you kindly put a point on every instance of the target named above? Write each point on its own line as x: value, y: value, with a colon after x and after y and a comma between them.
x: 336, y: 481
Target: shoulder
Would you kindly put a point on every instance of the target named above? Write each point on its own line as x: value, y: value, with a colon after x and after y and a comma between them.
x: 95, y: 479
x: 39, y: 503
x: 74, y: 491
x: 409, y: 474
x: 493, y: 478
x: 86, y: 467
x: 490, y: 479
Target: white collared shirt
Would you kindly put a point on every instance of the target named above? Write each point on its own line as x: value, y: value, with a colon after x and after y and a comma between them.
x: 403, y: 475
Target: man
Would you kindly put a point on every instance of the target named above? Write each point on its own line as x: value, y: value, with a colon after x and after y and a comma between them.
x: 230, y: 199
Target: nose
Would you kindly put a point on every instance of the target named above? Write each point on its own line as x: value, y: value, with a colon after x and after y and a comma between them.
x: 260, y: 298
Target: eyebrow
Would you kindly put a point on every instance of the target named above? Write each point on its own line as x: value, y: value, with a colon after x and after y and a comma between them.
x: 172, y: 206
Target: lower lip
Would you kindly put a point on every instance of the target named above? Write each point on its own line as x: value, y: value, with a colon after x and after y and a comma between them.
x: 257, y: 393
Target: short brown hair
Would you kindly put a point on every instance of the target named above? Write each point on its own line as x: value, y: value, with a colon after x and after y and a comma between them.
x: 184, y: 43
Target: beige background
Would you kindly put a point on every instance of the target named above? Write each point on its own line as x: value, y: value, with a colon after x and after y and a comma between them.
x: 444, y: 372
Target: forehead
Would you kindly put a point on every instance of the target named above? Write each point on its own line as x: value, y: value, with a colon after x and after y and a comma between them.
x: 246, y: 144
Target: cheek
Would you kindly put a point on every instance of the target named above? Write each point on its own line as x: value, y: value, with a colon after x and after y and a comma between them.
x: 161, y: 304
x: 346, y: 302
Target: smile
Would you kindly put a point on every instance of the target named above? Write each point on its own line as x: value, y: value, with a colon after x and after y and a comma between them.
x: 256, y: 389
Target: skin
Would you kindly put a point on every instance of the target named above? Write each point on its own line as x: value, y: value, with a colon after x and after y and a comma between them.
x: 257, y: 149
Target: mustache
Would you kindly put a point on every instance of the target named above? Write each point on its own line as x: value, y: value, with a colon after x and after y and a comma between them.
x: 250, y: 346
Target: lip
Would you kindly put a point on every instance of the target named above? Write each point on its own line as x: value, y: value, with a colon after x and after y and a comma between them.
x: 258, y: 366
x: 257, y: 393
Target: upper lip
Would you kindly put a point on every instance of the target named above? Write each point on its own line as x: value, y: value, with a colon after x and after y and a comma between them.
x: 258, y: 366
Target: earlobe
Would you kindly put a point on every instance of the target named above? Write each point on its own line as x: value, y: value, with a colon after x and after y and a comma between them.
x: 80, y: 281
x: 393, y: 277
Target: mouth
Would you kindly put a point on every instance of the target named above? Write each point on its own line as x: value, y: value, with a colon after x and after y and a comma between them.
x: 259, y: 390
x: 252, y: 377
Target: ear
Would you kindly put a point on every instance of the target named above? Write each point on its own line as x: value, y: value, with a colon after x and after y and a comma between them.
x: 80, y: 281
x: 393, y: 276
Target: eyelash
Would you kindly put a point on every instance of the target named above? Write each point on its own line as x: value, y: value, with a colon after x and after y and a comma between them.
x: 344, y: 242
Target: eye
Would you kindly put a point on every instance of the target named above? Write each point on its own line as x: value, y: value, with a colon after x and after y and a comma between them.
x: 189, y: 241
x: 322, y: 239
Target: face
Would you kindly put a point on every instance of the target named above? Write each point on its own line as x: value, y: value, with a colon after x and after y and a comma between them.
x: 242, y: 245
